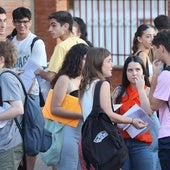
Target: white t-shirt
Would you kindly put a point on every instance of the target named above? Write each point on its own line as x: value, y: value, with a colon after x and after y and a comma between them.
x: 38, y: 54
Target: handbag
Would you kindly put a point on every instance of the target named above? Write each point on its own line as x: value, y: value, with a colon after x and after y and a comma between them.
x: 103, y: 146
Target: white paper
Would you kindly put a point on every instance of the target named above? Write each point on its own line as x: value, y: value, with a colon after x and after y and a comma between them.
x: 136, y: 112
x: 28, y: 76
x: 116, y: 106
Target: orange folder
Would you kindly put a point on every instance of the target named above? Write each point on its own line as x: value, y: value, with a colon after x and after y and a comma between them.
x: 70, y: 103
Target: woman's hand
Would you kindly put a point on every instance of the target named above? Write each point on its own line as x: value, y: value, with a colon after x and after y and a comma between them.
x: 138, y: 123
x: 140, y: 82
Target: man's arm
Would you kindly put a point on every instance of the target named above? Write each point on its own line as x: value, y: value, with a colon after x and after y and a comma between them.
x: 47, y: 75
x: 154, y: 102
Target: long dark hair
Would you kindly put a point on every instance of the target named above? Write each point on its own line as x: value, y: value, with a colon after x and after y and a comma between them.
x: 140, y: 31
x: 125, y: 82
x: 83, y: 30
x: 72, y: 64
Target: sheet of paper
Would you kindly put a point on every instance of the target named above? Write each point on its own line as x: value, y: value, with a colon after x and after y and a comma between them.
x: 116, y: 106
x: 136, y: 112
x: 28, y: 75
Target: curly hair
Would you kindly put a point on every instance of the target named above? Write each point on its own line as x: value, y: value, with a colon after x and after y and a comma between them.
x: 72, y: 64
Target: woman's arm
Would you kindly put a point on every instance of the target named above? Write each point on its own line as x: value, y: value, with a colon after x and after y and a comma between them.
x: 105, y: 102
x: 60, y: 91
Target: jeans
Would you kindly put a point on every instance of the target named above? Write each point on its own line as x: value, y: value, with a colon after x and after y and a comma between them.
x: 69, y: 159
x: 164, y: 152
x: 140, y: 156
x: 154, y: 146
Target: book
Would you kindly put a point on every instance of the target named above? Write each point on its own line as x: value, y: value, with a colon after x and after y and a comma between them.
x: 136, y: 112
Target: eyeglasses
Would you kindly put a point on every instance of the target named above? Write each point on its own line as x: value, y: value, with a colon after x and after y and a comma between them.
x: 19, y: 22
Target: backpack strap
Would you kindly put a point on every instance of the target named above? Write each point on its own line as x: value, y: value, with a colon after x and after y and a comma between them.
x: 137, y: 54
x: 33, y: 42
x: 96, y: 98
x: 9, y: 71
x: 15, y: 119
x: 147, y: 67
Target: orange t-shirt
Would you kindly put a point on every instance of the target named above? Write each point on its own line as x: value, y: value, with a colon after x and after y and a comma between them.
x: 131, y: 98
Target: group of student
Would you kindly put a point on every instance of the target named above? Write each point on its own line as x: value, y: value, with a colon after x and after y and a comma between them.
x: 74, y: 68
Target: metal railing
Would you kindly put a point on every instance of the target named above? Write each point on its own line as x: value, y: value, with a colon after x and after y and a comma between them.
x: 112, y: 23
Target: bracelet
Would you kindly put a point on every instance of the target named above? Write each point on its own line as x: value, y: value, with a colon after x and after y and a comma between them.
x: 132, y: 121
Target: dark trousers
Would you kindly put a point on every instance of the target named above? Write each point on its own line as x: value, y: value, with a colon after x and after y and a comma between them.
x: 164, y: 152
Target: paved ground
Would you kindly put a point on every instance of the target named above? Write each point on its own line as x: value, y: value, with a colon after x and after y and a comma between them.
x: 39, y: 165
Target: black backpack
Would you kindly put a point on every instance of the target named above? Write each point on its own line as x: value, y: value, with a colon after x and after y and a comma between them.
x: 103, y: 146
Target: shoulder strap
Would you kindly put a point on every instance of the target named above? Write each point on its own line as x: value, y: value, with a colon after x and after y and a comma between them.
x: 137, y: 54
x: 15, y: 119
x: 9, y: 71
x: 147, y: 67
x: 96, y: 98
x: 33, y: 41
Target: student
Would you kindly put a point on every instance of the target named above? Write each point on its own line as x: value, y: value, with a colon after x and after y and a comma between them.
x: 134, y: 89
x: 67, y: 81
x: 162, y: 22
x: 11, y: 148
x: 160, y: 94
x: 61, y: 23
x: 22, y: 41
x: 98, y: 66
x: 80, y: 29
x: 3, y: 22
x: 142, y: 45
